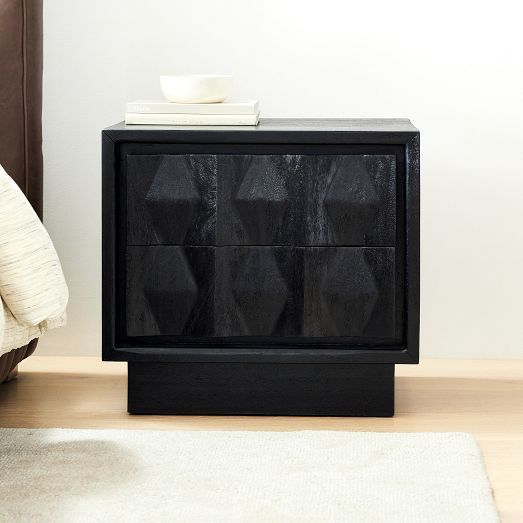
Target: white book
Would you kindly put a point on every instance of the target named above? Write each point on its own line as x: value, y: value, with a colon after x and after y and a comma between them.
x: 161, y: 106
x: 190, y: 119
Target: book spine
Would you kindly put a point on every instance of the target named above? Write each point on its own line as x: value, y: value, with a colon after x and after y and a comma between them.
x: 189, y: 119
x: 172, y: 108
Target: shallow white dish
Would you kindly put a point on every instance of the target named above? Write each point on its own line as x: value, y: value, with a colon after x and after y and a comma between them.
x: 196, y: 88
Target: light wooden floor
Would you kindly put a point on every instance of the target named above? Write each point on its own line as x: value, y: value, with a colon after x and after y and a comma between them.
x: 484, y: 398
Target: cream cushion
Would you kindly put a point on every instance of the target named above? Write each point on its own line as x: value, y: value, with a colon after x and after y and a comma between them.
x: 2, y: 325
x: 14, y: 334
x: 32, y: 284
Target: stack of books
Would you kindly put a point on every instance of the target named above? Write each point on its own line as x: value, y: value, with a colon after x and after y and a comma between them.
x: 160, y: 112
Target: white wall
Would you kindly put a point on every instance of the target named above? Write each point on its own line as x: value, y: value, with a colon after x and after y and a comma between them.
x: 455, y: 68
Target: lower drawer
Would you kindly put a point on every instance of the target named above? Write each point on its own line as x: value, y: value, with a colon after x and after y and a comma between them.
x: 222, y: 292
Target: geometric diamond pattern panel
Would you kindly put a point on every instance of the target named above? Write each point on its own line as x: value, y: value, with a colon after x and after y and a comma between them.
x: 266, y: 199
x: 349, y: 293
x: 262, y: 198
x: 283, y: 245
x: 172, y: 201
x: 351, y: 199
x: 171, y: 291
x: 260, y: 292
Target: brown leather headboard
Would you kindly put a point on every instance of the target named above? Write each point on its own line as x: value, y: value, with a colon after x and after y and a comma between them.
x: 21, y: 95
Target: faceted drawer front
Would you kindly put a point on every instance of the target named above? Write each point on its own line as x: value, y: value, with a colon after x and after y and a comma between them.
x: 261, y: 291
x: 296, y: 200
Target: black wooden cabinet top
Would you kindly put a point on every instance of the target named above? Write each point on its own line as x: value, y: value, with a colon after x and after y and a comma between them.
x: 271, y: 130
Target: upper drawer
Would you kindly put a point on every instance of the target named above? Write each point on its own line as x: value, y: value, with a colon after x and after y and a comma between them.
x: 261, y: 199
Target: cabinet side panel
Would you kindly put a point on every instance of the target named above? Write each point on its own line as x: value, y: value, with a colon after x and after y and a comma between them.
x: 413, y: 247
x: 108, y: 248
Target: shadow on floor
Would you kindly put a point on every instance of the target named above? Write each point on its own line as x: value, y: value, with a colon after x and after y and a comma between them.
x: 35, y: 462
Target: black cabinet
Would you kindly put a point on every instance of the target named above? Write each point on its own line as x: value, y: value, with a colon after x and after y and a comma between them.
x: 281, y: 257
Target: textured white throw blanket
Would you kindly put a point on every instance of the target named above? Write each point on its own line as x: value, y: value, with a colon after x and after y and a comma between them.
x: 32, y: 286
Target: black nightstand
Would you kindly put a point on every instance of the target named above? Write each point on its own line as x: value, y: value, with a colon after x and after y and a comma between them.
x: 262, y: 270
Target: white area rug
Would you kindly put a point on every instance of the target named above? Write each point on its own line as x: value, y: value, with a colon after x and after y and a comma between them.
x: 128, y: 475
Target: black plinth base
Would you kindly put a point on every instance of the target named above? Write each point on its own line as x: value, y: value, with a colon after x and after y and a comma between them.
x: 290, y: 389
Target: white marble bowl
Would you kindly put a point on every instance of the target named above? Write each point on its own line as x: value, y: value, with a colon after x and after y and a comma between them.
x: 196, y: 88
